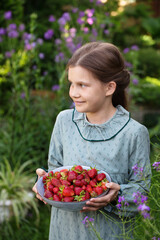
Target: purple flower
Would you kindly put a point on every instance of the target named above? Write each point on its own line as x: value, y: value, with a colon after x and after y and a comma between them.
x: 102, y: 25
x: 87, y: 220
x: 59, y: 57
x: 90, y: 21
x: 156, y: 165
x: 23, y: 95
x: 48, y: 34
x: 66, y: 16
x: 90, y: 12
x: 98, y: 2
x: 55, y: 87
x: 154, y: 238
x: 94, y: 32
x: 106, y: 31
x: 118, y: 206
x: 73, y: 32
x: 8, y: 15
x: 45, y: 73
x: 81, y: 14
x: 2, y: 31
x: 107, y: 14
x: 11, y: 27
x: 143, y: 207
x: 33, y: 44
x: 135, y: 48
x: 62, y: 21
x: 74, y: 10
x: 121, y: 199
x: 135, y: 81
x: 58, y: 41
x: 40, y: 41
x: 85, y: 29
x: 8, y: 54
x: 13, y: 34
x: 21, y: 27
x: 126, y: 50
x: 137, y: 170
x: 51, y: 18
x: 28, y: 46
x: 41, y: 55
x: 128, y: 64
x: 80, y: 21
x: 34, y: 67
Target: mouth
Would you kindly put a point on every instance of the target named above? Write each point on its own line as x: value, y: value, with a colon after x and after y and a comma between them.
x: 78, y: 102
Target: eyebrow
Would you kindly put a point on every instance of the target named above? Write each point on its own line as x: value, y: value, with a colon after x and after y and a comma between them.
x: 80, y: 82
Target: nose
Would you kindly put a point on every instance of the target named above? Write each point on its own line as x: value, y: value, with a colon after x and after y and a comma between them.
x: 74, y: 92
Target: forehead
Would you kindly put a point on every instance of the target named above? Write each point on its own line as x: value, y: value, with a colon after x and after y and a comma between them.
x: 79, y: 73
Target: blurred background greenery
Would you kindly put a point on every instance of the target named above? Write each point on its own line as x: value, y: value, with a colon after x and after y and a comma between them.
x: 36, y: 40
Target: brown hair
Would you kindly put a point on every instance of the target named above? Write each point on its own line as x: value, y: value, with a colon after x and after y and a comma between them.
x: 106, y: 63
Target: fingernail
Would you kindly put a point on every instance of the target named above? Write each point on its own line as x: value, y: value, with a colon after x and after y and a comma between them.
x: 107, y: 185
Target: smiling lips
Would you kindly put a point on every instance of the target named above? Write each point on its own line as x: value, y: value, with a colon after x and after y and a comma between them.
x: 78, y: 102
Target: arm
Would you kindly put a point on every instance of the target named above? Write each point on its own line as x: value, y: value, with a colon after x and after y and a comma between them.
x: 55, y: 156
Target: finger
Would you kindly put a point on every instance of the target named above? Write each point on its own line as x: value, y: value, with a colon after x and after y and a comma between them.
x: 113, y: 185
x: 34, y: 189
x: 40, y: 172
x: 86, y: 209
x: 40, y: 198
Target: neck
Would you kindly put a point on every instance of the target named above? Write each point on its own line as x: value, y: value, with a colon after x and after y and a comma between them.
x: 101, y: 116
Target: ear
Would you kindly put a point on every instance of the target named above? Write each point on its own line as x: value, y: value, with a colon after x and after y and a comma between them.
x: 110, y: 88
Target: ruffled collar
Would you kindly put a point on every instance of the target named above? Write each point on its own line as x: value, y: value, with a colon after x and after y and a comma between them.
x: 101, y: 132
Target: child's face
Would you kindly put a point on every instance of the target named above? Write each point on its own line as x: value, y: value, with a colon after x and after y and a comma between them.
x: 88, y: 93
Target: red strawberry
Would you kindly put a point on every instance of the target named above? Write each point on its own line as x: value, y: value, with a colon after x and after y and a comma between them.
x: 80, y: 177
x: 68, y: 192
x: 60, y: 195
x: 99, y: 190
x: 55, y: 190
x: 100, y: 176
x: 104, y: 186
x: 48, y: 194
x: 56, y: 182
x: 79, y: 168
x: 64, y: 173
x: 50, y: 187
x: 92, y: 173
x: 68, y: 199
x: 57, y: 175
x: 77, y: 183
x: 51, y: 174
x: 93, y: 182
x: 89, y: 188
x: 93, y: 194
x: 78, y: 190
x: 86, y: 177
x: 56, y: 198
x: 72, y: 175
x: 44, y: 179
x: 84, y: 187
x: 65, y: 182
x: 84, y: 182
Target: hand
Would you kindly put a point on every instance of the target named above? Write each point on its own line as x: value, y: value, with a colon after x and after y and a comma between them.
x: 40, y: 172
x: 96, y: 203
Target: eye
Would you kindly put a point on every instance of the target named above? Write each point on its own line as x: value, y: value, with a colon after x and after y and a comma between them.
x: 82, y: 85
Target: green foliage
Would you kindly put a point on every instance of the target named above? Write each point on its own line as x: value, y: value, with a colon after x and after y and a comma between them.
x: 15, y: 186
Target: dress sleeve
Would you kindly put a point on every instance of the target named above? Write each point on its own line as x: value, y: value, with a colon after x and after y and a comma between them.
x: 55, y: 156
x: 139, y: 180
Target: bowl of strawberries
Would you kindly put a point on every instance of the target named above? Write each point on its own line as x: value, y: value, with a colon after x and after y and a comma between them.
x: 70, y: 187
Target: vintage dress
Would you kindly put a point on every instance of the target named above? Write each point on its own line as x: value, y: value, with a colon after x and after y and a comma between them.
x: 115, y: 147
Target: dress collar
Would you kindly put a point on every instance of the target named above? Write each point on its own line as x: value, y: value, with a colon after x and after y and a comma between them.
x: 101, y: 132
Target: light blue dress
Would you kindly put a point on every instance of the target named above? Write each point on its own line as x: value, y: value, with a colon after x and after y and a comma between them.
x: 115, y: 147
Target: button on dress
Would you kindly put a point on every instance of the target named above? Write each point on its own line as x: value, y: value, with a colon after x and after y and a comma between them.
x: 115, y: 147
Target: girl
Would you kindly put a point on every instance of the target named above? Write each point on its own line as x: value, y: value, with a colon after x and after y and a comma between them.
x: 98, y: 132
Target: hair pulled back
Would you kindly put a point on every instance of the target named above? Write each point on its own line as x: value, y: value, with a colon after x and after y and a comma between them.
x: 106, y: 63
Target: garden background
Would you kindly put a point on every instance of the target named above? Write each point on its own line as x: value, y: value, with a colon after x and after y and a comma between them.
x: 36, y: 40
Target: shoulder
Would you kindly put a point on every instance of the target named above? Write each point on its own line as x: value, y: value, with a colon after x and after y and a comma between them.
x: 65, y: 115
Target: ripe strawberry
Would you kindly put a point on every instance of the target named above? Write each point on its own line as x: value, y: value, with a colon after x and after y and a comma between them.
x: 93, y: 182
x: 51, y: 174
x: 89, y: 188
x: 100, y: 176
x: 56, y: 182
x: 78, y: 190
x: 50, y: 187
x: 44, y: 179
x: 77, y: 183
x: 55, y: 190
x: 68, y: 192
x: 104, y: 186
x: 65, y: 182
x: 79, y: 168
x: 68, y: 199
x: 87, y: 195
x: 93, y: 194
x: 84, y: 182
x: 80, y: 177
x: 57, y: 175
x: 99, y: 190
x: 86, y: 177
x: 48, y: 194
x: 92, y: 173
x: 64, y: 173
x: 60, y: 195
x: 84, y: 187
x: 72, y: 175
x: 56, y: 198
